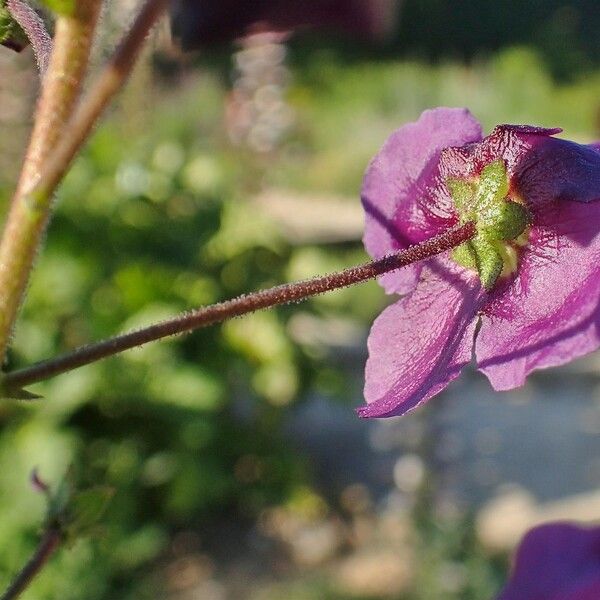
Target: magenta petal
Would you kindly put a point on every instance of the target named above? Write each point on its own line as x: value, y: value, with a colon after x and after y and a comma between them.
x: 550, y: 313
x: 397, y: 178
x: 420, y: 343
x: 555, y: 169
x: 558, y: 561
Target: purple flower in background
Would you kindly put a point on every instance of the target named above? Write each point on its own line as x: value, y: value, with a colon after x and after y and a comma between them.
x: 558, y: 561
x: 528, y: 283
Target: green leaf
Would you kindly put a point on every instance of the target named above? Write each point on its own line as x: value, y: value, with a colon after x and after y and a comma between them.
x: 61, y: 7
x: 11, y: 34
x: 481, y: 255
x: 493, y: 184
x: 462, y: 193
x: 465, y: 256
x: 8, y: 392
x: 509, y: 222
x: 75, y: 512
x: 59, y: 500
x: 86, y: 508
x: 489, y: 261
x: 22, y: 394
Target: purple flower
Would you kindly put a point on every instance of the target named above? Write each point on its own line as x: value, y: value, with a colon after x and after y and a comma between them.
x: 522, y: 295
x: 557, y: 561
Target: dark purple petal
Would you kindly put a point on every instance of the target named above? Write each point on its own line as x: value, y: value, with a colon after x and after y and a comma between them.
x: 404, y: 197
x: 542, y: 169
x: 557, y: 169
x: 421, y: 343
x: 557, y: 561
x: 550, y: 313
x: 511, y: 143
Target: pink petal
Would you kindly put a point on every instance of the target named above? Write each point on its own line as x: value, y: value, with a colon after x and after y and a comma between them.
x: 557, y: 561
x: 421, y: 343
x: 401, y: 204
x: 550, y: 313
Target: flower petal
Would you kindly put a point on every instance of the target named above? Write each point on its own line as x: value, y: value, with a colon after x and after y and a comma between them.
x: 557, y: 561
x: 511, y: 143
x: 421, y: 343
x: 405, y: 170
x: 555, y: 169
x: 551, y: 312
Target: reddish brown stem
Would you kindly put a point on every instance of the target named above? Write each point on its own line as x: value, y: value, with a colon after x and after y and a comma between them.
x: 242, y: 305
x: 48, y: 544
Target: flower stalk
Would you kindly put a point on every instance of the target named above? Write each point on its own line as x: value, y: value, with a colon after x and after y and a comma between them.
x: 216, y: 313
x: 28, y: 215
x: 109, y: 82
x: 43, y: 172
x: 45, y: 549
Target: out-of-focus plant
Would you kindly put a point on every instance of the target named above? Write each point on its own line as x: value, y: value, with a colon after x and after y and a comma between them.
x: 558, y: 561
x: 189, y: 402
x: 61, y: 125
x: 172, y: 228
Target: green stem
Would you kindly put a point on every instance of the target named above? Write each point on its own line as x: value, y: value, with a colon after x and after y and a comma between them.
x: 216, y: 313
x: 110, y: 81
x: 28, y: 215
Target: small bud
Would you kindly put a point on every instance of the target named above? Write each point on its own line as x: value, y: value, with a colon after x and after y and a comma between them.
x: 39, y: 485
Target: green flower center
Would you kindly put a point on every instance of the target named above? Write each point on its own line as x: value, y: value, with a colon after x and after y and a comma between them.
x: 500, y: 222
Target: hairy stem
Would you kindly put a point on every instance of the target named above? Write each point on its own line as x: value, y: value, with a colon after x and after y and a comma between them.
x: 109, y: 82
x: 242, y: 305
x: 48, y: 544
x: 28, y: 215
x: 34, y: 28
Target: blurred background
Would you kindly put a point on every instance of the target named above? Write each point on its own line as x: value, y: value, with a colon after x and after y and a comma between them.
x: 239, y: 467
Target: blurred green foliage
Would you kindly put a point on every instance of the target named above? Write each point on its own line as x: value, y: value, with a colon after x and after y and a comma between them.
x: 155, y: 218
x: 152, y: 221
x: 11, y: 34
x: 564, y: 32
